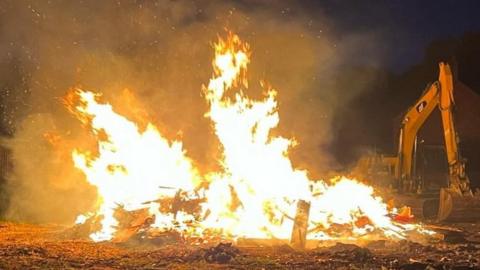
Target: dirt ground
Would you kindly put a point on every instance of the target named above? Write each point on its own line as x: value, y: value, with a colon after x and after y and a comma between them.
x: 24, y: 246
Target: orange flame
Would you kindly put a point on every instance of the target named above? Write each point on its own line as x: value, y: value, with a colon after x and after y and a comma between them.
x: 131, y: 165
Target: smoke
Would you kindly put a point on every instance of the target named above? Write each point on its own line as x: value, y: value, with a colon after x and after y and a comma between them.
x: 161, y: 52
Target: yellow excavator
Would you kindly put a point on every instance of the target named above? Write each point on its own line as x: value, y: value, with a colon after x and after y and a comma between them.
x: 455, y: 201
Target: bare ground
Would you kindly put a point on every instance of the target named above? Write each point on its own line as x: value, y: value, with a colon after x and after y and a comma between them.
x: 24, y: 246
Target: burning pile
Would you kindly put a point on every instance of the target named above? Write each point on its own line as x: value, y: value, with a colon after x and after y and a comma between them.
x: 255, y: 194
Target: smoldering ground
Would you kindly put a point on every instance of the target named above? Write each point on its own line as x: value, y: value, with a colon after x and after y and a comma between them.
x: 161, y: 51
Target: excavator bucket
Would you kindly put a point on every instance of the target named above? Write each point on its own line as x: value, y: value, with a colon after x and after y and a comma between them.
x: 455, y: 207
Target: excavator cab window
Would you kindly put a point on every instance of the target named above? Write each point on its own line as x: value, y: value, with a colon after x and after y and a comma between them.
x: 432, y: 167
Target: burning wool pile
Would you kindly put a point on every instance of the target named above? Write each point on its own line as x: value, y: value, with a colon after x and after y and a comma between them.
x: 148, y: 183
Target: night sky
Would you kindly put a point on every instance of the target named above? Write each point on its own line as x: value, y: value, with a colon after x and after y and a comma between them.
x: 406, y: 26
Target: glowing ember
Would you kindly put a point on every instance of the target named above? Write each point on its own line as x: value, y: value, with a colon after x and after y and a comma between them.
x: 256, y: 193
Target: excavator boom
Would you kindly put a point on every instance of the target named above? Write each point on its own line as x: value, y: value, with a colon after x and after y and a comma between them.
x: 412, y: 121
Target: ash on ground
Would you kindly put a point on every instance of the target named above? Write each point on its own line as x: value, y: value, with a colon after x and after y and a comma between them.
x: 24, y: 246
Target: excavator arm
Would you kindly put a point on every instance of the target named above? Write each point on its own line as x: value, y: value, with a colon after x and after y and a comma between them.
x: 457, y: 176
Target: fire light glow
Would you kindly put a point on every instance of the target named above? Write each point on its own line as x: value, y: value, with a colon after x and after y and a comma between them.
x: 256, y: 192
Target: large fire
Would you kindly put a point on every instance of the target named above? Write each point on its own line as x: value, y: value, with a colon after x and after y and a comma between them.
x: 256, y: 193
